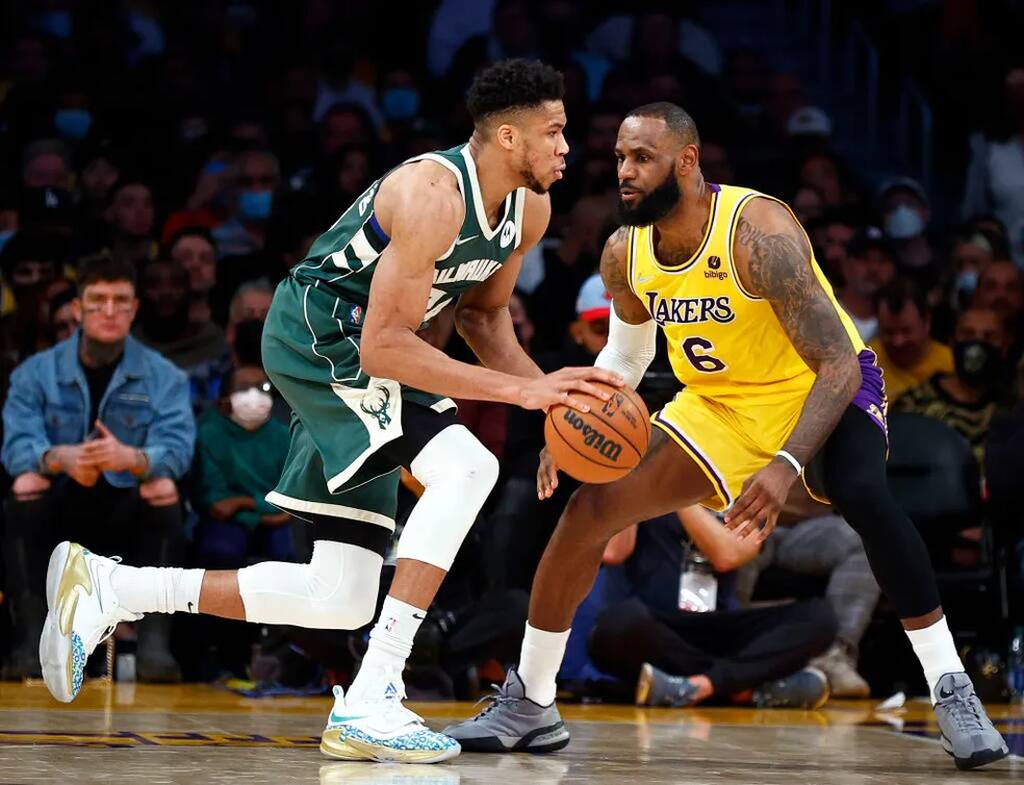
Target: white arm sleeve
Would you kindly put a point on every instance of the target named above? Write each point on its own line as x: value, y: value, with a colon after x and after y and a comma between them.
x: 630, y: 348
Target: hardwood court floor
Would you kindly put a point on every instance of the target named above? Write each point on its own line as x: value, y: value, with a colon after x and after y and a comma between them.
x: 198, y: 734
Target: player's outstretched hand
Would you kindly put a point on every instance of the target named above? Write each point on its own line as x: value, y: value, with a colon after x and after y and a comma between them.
x: 551, y: 389
x: 547, y: 475
x: 757, y: 509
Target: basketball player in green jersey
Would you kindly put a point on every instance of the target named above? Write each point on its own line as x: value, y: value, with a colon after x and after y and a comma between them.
x: 368, y: 397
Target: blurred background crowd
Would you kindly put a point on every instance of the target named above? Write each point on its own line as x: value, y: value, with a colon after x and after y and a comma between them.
x: 193, y: 150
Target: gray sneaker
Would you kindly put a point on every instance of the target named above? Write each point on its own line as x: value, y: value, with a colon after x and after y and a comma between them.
x: 654, y: 687
x: 512, y: 723
x: 805, y: 689
x: 967, y: 732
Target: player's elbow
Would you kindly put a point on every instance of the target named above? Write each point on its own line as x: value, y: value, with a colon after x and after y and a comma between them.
x: 375, y: 356
x: 727, y: 560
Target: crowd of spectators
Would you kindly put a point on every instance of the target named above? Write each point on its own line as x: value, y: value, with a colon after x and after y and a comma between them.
x: 163, y: 166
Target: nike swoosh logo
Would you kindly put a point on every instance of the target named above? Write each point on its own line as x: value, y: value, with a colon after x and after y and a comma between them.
x: 419, y: 616
x: 351, y: 718
x: 461, y: 240
x: 642, y: 278
x: 94, y: 572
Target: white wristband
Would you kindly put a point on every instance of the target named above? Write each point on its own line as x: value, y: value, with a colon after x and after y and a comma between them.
x: 792, y: 461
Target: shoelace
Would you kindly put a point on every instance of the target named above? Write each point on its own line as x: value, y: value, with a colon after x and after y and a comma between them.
x: 966, y: 710
x: 497, y: 698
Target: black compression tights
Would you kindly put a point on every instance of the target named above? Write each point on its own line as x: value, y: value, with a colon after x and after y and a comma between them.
x: 851, y: 469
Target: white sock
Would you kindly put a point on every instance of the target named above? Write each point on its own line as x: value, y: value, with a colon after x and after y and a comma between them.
x: 935, y: 649
x: 539, y: 662
x: 158, y: 589
x: 390, y: 646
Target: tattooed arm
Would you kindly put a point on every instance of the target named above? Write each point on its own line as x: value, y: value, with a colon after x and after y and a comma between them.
x: 773, y: 261
x: 613, y: 272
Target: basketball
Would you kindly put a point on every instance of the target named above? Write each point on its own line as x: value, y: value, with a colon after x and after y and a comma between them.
x: 603, y: 444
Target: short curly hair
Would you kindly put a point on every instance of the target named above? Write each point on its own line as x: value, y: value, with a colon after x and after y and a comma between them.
x: 512, y: 84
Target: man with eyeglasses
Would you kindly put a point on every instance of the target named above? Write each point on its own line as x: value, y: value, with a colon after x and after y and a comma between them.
x: 97, y: 430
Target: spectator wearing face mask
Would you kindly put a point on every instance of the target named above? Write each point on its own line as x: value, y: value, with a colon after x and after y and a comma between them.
x: 257, y: 175
x: 967, y: 398
x: 240, y: 451
x: 906, y: 213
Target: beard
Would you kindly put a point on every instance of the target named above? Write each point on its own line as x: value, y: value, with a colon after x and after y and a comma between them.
x: 530, y: 181
x: 652, y: 207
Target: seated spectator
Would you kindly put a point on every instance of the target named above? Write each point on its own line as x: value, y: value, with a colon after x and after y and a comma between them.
x: 240, y: 451
x: 251, y: 302
x: 62, y: 314
x: 30, y: 261
x: 130, y: 215
x: 869, y: 265
x: 46, y: 163
x: 164, y: 325
x: 825, y: 546
x: 995, y: 175
x: 905, y: 216
x: 967, y: 398
x: 906, y: 353
x: 257, y: 175
x: 830, y: 235
x: 1001, y: 288
x: 96, y: 432
x: 194, y: 248
x: 681, y: 658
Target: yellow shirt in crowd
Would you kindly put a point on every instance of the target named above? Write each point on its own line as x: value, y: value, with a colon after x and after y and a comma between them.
x: 938, y: 358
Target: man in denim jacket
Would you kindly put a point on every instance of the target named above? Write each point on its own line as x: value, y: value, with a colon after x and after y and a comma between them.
x: 97, y: 430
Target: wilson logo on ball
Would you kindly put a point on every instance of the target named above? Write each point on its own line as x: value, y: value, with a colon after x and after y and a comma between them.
x: 593, y: 438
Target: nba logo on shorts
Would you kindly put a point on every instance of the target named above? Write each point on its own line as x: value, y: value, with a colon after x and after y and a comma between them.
x: 355, y: 316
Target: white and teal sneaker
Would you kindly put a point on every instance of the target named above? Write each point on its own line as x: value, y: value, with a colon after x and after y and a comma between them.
x: 383, y: 730
x: 83, y: 612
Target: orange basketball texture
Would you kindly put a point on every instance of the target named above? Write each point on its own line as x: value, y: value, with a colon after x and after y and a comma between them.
x: 603, y: 444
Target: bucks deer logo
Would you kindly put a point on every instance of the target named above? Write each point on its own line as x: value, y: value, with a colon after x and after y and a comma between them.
x: 379, y: 397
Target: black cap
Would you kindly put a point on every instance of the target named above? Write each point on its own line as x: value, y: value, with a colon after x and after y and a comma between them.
x: 869, y: 238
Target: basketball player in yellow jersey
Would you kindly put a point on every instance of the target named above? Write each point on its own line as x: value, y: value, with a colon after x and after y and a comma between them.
x: 778, y: 389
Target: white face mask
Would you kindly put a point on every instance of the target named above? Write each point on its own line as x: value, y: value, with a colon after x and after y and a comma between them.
x: 903, y: 222
x: 251, y: 408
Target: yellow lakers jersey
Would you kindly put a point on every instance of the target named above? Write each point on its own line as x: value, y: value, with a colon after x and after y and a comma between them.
x: 723, y: 342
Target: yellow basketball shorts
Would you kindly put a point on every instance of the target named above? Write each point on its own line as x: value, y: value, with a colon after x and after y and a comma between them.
x: 729, y: 442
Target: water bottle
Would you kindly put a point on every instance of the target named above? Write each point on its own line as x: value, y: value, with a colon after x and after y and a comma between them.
x: 698, y: 586
x: 1015, y: 665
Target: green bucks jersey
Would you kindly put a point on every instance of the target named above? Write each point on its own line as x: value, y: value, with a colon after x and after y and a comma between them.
x: 342, y: 260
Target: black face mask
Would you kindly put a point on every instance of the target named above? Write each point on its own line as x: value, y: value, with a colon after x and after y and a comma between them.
x: 977, y: 363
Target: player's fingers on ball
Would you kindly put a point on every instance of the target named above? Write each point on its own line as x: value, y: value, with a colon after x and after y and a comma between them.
x: 586, y: 387
x: 576, y: 403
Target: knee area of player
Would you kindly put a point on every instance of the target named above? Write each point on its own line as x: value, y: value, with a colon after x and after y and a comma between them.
x: 456, y: 457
